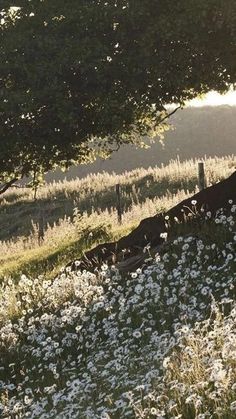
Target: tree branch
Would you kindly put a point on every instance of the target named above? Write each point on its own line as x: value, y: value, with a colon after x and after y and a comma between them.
x: 169, y: 114
x: 8, y: 185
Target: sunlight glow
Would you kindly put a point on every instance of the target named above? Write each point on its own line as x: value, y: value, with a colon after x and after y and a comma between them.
x: 215, y: 99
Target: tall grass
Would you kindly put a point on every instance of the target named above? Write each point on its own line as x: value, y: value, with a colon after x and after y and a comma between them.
x: 145, y: 192
x: 177, y: 174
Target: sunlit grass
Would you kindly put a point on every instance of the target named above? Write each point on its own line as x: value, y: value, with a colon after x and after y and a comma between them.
x: 145, y: 192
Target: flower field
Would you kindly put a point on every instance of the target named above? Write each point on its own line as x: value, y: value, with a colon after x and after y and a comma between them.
x: 157, y: 343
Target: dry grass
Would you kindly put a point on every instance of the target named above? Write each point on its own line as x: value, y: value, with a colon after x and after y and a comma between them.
x: 145, y: 192
x: 175, y: 173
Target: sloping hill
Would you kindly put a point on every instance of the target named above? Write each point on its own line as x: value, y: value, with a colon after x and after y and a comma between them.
x: 196, y: 132
x: 195, y: 212
x: 159, y: 342
x: 77, y: 215
x: 156, y: 342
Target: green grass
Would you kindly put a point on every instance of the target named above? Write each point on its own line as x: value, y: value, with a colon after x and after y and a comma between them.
x: 145, y: 192
x: 47, y: 260
x: 150, y: 334
x: 18, y: 210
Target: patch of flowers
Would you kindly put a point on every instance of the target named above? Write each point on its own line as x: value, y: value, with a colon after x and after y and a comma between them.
x: 149, y: 344
x: 199, y: 380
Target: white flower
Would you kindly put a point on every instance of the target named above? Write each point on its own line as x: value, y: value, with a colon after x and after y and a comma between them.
x: 163, y: 236
x: 153, y: 411
x: 233, y: 406
x: 166, y: 362
x: 218, y: 373
x: 190, y: 399
x: 77, y: 263
x: 138, y: 289
x: 205, y: 291
x: 137, y: 334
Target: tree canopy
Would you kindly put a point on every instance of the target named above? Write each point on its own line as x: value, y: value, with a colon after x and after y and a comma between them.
x: 80, y: 77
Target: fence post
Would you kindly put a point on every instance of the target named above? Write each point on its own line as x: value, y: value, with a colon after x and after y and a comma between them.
x: 118, y: 205
x: 41, y: 224
x: 201, y: 176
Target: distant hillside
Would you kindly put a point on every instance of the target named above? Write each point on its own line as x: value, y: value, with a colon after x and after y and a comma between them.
x: 196, y: 132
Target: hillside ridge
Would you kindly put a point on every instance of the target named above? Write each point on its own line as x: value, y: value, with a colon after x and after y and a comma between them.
x: 152, y: 230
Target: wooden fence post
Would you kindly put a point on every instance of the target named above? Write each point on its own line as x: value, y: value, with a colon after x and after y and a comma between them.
x: 118, y: 205
x: 201, y: 176
x: 41, y: 225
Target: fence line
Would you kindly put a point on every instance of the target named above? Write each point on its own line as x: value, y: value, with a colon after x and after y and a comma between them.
x: 201, y: 176
x: 118, y: 204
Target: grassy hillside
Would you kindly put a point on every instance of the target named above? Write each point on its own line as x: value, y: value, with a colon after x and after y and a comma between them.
x: 157, y: 343
x: 80, y: 213
x: 196, y: 132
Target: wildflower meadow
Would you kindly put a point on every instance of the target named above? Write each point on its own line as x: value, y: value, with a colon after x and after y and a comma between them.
x: 155, y: 343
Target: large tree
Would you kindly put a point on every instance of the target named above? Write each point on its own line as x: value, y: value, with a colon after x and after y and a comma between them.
x: 80, y: 77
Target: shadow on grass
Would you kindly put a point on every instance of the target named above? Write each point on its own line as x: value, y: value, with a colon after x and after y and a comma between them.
x: 19, y: 218
x: 42, y: 261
